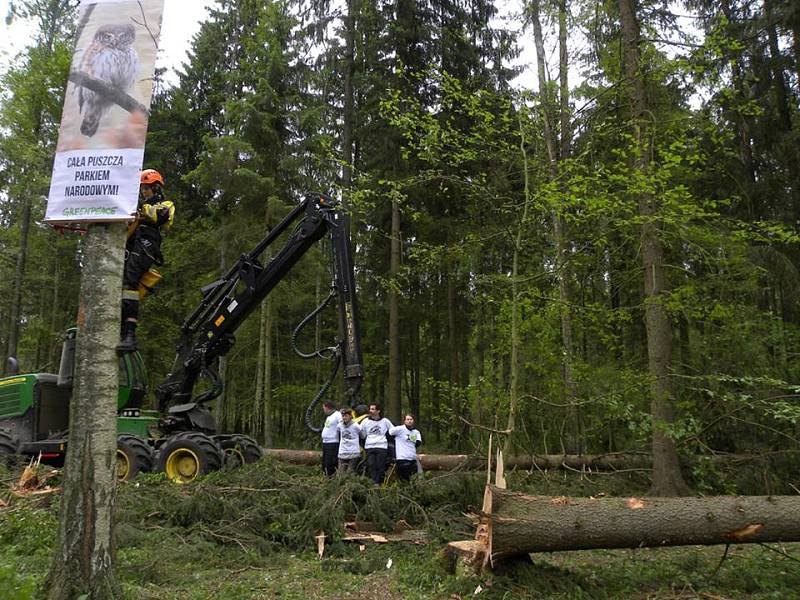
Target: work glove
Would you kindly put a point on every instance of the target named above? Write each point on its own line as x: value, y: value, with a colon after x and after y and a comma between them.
x: 162, y: 216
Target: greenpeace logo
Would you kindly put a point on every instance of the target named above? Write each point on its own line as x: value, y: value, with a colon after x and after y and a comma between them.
x: 89, y: 210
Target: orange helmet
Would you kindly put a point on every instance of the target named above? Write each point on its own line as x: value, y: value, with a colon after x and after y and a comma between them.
x: 151, y: 176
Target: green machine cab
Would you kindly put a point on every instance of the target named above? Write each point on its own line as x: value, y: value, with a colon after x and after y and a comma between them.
x: 34, y: 410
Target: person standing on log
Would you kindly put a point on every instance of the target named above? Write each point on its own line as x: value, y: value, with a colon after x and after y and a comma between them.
x: 407, y: 440
x: 349, y: 446
x: 330, y: 438
x: 374, y: 430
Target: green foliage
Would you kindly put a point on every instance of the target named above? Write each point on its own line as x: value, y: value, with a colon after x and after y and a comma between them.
x: 14, y: 585
x: 258, y: 117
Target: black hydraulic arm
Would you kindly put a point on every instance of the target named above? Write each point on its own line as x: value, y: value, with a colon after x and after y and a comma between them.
x: 208, y: 332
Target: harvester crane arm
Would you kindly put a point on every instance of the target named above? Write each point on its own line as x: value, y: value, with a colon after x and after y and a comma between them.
x: 208, y: 332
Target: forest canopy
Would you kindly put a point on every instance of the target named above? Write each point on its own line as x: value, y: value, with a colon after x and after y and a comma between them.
x: 602, y: 259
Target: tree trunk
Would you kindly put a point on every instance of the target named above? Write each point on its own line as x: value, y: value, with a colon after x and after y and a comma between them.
x: 19, y: 279
x: 436, y: 372
x: 414, y: 388
x: 52, y: 350
x: 742, y: 120
x: 224, y: 411
x: 264, y: 364
x: 584, y: 462
x: 259, y: 391
x: 573, y: 442
x: 778, y: 77
x: 393, y: 404
x: 513, y: 389
x: 514, y: 524
x: 267, y: 407
x: 349, y: 73
x: 796, y: 44
x: 85, y: 554
x: 667, y: 477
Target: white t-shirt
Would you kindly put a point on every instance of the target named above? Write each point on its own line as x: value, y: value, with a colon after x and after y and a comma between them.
x: 330, y: 435
x: 375, y: 432
x: 348, y: 438
x: 405, y: 442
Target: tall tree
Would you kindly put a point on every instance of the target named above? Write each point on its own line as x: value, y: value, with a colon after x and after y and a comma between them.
x: 557, y: 154
x: 31, y: 113
x: 83, y: 563
x: 667, y: 478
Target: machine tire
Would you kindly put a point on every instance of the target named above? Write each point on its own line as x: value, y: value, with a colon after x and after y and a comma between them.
x: 240, y: 450
x: 8, y: 448
x: 134, y: 456
x: 189, y: 454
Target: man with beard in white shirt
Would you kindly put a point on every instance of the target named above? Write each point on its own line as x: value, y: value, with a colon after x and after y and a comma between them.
x: 407, y: 440
x: 330, y: 438
x: 374, y: 429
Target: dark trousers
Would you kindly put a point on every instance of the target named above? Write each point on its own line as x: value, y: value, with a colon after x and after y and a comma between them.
x: 347, y: 464
x: 376, y: 464
x: 330, y: 458
x: 406, y: 468
x: 140, y: 254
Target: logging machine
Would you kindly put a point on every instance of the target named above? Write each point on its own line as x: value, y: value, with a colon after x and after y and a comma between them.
x: 181, y: 437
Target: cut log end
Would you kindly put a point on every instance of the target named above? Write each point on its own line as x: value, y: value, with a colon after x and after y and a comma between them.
x: 465, y: 558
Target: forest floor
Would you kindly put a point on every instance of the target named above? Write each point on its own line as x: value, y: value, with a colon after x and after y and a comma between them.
x: 249, y: 534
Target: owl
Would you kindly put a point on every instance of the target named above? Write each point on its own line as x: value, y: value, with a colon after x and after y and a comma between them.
x: 112, y: 58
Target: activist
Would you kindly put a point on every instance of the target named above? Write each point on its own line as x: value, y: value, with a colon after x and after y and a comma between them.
x: 349, y: 447
x: 330, y: 438
x: 374, y: 430
x: 407, y: 440
x: 142, y: 250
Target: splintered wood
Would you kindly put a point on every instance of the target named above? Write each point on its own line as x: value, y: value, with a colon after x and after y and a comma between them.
x: 32, y: 482
x: 362, y: 531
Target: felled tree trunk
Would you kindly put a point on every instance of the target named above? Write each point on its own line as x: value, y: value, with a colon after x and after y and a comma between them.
x: 514, y: 524
x: 449, y: 462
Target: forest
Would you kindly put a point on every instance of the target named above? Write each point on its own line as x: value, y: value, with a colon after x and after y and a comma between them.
x: 598, y: 257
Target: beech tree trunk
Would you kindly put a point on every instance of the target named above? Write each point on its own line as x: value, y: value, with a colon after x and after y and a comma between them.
x: 84, y: 557
x: 514, y: 524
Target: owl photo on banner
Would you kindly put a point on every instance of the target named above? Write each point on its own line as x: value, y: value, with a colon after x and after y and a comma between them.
x: 111, y: 57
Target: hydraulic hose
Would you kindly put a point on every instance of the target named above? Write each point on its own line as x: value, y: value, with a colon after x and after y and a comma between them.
x: 319, y: 352
x: 336, y: 359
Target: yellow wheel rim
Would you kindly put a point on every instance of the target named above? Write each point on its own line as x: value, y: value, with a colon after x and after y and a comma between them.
x: 182, y: 465
x: 123, y: 465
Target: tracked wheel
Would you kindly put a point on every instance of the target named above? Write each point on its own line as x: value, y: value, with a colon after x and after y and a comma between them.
x: 133, y: 456
x: 186, y: 456
x: 240, y: 450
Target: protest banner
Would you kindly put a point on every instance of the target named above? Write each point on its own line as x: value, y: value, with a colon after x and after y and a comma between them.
x: 104, y: 122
